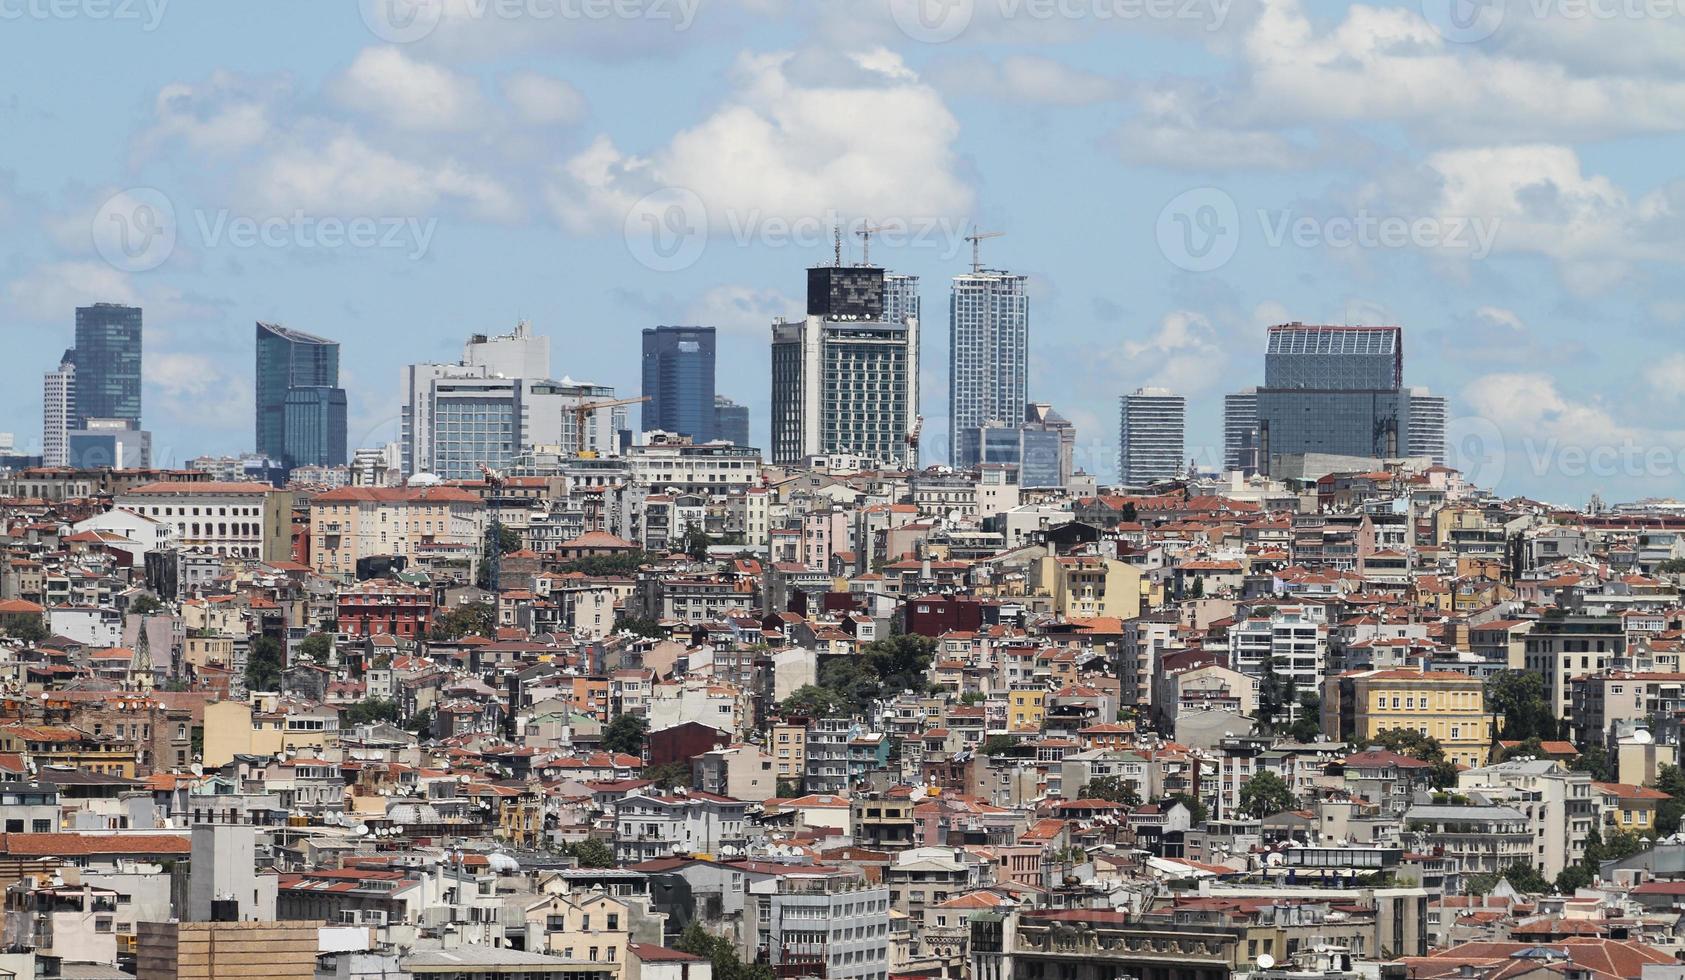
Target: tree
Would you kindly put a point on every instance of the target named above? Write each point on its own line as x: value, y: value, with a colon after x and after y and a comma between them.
x: 695, y: 543
x: 640, y: 625
x: 146, y: 604
x: 721, y: 954
x: 1198, y: 590
x: 626, y: 735
x: 621, y: 565
x: 903, y: 662
x: 591, y: 853
x: 469, y: 619
x: 1422, y: 748
x: 1668, y: 812
x: 1275, y: 695
x: 29, y: 630
x: 1197, y: 812
x: 1265, y: 794
x: 1595, y: 761
x: 788, y: 789
x: 973, y: 697
x: 421, y: 723
x: 317, y: 646
x: 668, y: 776
x: 1112, y: 789
x: 1520, y: 699
x: 263, y: 664
x: 1309, y: 725
x: 508, y: 539
x: 997, y: 745
x: 371, y: 711
x: 1525, y: 878
x: 810, y: 701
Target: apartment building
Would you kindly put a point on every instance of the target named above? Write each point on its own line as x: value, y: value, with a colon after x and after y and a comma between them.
x: 236, y: 520
x: 1447, y: 706
x: 1565, y: 647
x: 649, y: 826
x: 418, y: 523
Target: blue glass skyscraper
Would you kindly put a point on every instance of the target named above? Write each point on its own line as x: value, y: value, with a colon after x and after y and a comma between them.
x: 289, y: 361
x: 679, y: 381
x: 107, y: 359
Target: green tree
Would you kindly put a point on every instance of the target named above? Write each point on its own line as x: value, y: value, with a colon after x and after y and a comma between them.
x: 371, y: 711
x: 997, y: 745
x: 1519, y: 698
x: 1197, y: 812
x: 1309, y: 725
x: 695, y: 543
x: 29, y: 630
x: 263, y: 664
x: 1594, y: 760
x: 469, y: 619
x: 421, y: 723
x: 668, y: 776
x: 146, y: 604
x: 810, y: 701
x: 1112, y: 789
x: 1422, y: 748
x: 622, y: 565
x: 1265, y: 794
x: 973, y: 697
x: 626, y: 734
x: 721, y: 954
x: 317, y: 646
x: 903, y: 662
x: 591, y: 853
x: 789, y: 789
x: 508, y: 539
x: 641, y: 625
x: 1668, y: 812
x: 1275, y: 696
x: 1525, y: 878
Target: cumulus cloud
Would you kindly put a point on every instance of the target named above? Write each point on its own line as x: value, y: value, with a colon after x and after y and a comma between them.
x: 543, y: 100
x: 392, y: 89
x: 1184, y: 355
x: 787, y: 149
x: 1026, y: 79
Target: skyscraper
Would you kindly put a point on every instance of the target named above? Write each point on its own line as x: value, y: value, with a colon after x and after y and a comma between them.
x: 1040, y: 416
x: 1151, y: 429
x: 900, y: 297
x: 1428, y: 416
x: 731, y: 421
x: 1333, y: 389
x: 679, y: 381
x: 108, y: 362
x: 288, y: 361
x: 58, y: 411
x: 1240, y: 431
x: 845, y: 378
x: 988, y: 356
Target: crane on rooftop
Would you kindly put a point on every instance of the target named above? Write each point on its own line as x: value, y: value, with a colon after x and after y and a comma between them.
x: 976, y: 238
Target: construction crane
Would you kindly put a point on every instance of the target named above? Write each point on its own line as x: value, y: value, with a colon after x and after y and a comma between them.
x: 975, y: 238
x: 866, y: 231
x: 913, y: 443
x: 582, y: 419
x: 494, y: 478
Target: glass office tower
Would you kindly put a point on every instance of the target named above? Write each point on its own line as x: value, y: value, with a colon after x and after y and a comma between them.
x: 108, y: 359
x: 679, y: 381
x: 289, y: 360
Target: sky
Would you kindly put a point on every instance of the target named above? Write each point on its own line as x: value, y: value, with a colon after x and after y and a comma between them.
x: 1499, y: 177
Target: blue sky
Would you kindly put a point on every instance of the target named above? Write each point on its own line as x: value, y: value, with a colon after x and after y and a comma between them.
x: 1501, y: 180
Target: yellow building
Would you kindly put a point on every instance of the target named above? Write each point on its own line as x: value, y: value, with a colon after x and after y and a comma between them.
x: 589, y: 927
x: 1627, y: 807
x: 788, y: 748
x: 238, y: 728
x: 1089, y: 586
x: 410, y: 522
x: 1026, y: 710
x: 1445, y: 705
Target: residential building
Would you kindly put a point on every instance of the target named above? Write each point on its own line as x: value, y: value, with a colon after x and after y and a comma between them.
x: 1429, y: 414
x: 731, y: 421
x: 988, y: 355
x: 1447, y: 706
x: 1151, y: 429
x: 415, y: 523
x: 820, y: 921
x: 1240, y: 431
x: 238, y: 520
x: 58, y: 411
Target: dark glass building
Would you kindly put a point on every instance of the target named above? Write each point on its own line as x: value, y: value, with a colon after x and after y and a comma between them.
x: 315, y: 426
x: 679, y: 381
x: 289, y: 361
x: 107, y: 359
x: 1333, y: 389
x: 731, y: 421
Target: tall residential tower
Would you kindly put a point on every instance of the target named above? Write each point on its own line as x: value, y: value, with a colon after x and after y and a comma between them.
x: 988, y: 357
x: 1151, y: 428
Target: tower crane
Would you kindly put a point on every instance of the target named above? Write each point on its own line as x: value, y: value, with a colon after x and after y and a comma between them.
x: 976, y: 238
x: 582, y: 418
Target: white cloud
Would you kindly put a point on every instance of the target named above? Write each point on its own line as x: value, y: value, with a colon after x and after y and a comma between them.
x: 1184, y: 355
x: 1530, y: 406
x: 1028, y: 79
x: 779, y: 148
x: 743, y: 310
x: 393, y: 89
x: 543, y: 100
x: 1666, y: 377
x: 48, y: 290
x: 346, y: 175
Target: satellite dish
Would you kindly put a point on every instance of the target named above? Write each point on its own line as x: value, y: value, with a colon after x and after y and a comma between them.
x: 1265, y: 961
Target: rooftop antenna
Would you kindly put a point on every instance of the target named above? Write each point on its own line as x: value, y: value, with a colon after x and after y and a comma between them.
x: 976, y: 238
x: 836, y: 245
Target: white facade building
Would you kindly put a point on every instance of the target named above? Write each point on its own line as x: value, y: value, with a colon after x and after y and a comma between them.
x: 1151, y: 431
